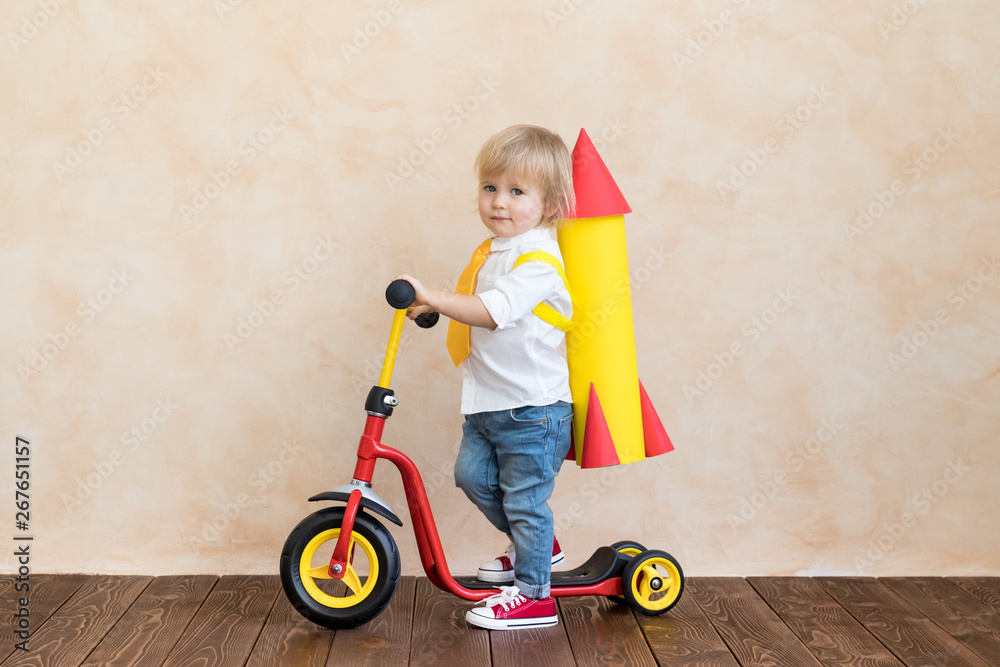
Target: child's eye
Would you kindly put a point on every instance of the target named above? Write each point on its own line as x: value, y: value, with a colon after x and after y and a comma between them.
x: 490, y: 188
x: 517, y: 191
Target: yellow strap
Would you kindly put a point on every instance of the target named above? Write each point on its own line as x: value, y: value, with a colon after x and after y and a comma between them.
x: 544, y: 311
x: 458, y: 341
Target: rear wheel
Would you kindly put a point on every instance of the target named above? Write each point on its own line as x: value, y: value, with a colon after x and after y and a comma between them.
x: 368, y: 584
x: 629, y: 548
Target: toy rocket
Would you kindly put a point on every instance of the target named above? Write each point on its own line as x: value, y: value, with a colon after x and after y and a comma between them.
x: 614, y: 421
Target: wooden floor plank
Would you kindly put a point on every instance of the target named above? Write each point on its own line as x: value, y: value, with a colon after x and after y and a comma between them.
x: 227, y: 625
x: 440, y: 634
x: 153, y: 624
x: 385, y: 640
x: 684, y: 637
x: 753, y: 632
x: 289, y: 640
x: 603, y: 633
x: 73, y: 631
x: 984, y: 589
x: 8, y: 622
x: 720, y: 622
x: 537, y: 646
x: 45, y: 594
x: 911, y: 636
x: 827, y: 629
x: 958, y: 613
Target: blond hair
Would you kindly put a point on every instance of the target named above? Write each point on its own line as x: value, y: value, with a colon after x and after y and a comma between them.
x: 532, y: 152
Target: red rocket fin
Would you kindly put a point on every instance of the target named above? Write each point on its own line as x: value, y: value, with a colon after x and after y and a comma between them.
x: 656, y: 439
x: 598, y: 448
x: 597, y: 194
x: 571, y: 456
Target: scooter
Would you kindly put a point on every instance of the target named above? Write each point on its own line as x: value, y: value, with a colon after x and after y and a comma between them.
x: 340, y: 566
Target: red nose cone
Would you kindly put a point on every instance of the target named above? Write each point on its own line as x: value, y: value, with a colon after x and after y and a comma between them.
x: 597, y: 194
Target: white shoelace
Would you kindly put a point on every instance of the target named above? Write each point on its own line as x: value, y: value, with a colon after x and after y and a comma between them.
x: 509, y: 595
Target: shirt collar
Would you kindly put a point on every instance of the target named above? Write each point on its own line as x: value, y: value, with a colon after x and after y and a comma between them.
x: 530, y: 236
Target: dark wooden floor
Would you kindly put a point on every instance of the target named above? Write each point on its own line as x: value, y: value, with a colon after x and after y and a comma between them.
x: 199, y: 621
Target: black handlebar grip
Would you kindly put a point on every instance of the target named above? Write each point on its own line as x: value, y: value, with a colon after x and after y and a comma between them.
x: 400, y: 294
x: 427, y: 320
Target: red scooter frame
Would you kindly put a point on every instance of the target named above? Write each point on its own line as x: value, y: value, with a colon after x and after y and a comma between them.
x: 432, y: 556
x: 653, y: 580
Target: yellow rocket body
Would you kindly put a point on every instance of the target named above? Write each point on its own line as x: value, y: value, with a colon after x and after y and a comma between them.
x: 601, y: 348
x: 613, y: 419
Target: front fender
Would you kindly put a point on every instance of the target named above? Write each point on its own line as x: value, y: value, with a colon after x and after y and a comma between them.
x: 369, y: 500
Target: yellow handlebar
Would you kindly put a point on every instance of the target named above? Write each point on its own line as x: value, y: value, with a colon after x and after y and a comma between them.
x: 392, y: 347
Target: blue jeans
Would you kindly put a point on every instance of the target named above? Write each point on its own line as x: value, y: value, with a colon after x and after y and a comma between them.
x: 507, y: 466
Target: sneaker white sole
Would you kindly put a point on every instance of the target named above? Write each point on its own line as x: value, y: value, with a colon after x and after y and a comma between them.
x: 507, y: 576
x: 496, y: 577
x: 510, y: 623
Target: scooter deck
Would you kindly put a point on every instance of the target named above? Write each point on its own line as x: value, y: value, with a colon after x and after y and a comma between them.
x: 603, y: 565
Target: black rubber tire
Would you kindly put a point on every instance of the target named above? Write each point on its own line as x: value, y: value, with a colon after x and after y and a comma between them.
x: 627, y: 544
x: 622, y: 546
x: 367, y: 608
x: 634, y: 570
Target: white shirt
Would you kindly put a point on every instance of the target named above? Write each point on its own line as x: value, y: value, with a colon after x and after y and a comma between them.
x: 519, y: 363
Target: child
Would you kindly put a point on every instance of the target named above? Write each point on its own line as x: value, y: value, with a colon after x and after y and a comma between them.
x: 515, y: 383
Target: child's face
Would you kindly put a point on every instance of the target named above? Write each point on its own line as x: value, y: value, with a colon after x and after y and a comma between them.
x: 510, y: 205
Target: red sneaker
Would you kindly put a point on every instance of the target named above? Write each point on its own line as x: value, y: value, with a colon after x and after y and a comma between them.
x: 512, y: 611
x: 501, y: 569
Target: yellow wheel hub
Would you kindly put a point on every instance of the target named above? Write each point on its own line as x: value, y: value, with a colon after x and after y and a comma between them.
x: 656, y: 584
x: 357, y: 591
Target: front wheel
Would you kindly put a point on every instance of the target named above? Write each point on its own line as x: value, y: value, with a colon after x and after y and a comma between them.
x: 367, y: 586
x: 652, y: 582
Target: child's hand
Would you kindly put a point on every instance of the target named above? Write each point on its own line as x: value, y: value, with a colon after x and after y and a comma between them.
x: 468, y: 308
x: 421, y: 301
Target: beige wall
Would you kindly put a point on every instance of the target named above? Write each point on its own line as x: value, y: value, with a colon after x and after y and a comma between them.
x: 234, y: 321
